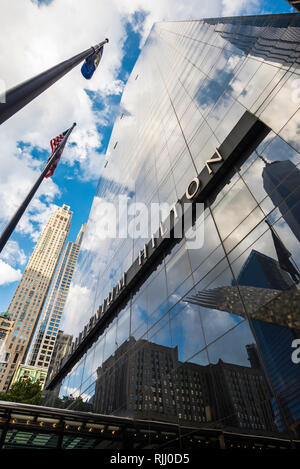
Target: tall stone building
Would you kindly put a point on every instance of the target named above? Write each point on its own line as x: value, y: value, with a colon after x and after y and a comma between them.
x: 28, y: 300
x: 43, y: 346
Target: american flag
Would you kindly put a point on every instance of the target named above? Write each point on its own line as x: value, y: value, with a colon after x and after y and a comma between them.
x: 54, y: 144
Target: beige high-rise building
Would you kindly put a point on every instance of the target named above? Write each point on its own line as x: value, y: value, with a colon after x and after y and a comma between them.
x: 28, y: 300
x: 43, y: 346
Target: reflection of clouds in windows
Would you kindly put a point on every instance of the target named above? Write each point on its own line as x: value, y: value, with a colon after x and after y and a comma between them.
x: 75, y: 392
x: 156, y: 291
x: 78, y: 304
x: 110, y: 341
x: 260, y: 86
x: 212, y: 90
x: 215, y: 323
x: 187, y: 332
x: 162, y: 337
x: 291, y: 131
x: 75, y: 381
x: 88, y: 368
x: 219, y: 80
x: 158, y: 314
x: 177, y: 269
x: 138, y: 321
x: 100, y: 220
x: 123, y: 327
x: 281, y: 108
x: 97, y: 252
x: 231, y: 348
x: 242, y: 77
x: 209, y: 253
x: 227, y: 213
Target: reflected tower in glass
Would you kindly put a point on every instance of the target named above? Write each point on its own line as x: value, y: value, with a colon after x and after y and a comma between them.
x: 280, y: 192
x: 164, y: 327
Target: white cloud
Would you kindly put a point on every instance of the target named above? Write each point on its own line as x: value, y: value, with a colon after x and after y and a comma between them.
x: 8, y: 274
x: 13, y: 254
x: 234, y: 7
x: 18, y: 172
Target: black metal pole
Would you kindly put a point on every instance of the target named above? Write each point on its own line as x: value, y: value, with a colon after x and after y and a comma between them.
x: 5, y: 235
x: 20, y: 95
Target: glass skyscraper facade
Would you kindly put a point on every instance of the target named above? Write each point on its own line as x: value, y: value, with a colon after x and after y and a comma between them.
x: 198, y: 335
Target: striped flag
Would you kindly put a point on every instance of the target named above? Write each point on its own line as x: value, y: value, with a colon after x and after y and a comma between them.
x: 54, y: 144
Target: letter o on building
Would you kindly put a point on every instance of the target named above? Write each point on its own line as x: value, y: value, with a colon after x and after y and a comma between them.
x: 194, y: 182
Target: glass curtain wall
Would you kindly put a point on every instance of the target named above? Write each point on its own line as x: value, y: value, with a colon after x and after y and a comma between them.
x: 208, y: 338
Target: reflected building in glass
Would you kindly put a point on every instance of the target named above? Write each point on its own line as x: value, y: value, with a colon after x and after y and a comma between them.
x: 280, y: 192
x: 152, y: 384
x: 174, y: 329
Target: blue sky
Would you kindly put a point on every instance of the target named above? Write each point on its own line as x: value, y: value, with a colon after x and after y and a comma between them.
x: 93, y: 104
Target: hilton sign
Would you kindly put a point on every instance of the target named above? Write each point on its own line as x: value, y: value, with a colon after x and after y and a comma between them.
x: 238, y: 145
x: 191, y: 193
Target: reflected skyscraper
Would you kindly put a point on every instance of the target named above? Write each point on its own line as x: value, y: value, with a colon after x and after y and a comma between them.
x: 146, y: 380
x: 274, y: 42
x: 275, y: 340
x: 263, y: 271
x: 281, y: 181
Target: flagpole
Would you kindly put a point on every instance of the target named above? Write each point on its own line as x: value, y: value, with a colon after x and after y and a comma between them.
x: 8, y: 230
x: 17, y: 97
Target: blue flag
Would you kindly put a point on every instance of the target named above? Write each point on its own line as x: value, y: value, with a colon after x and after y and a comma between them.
x: 91, y: 63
